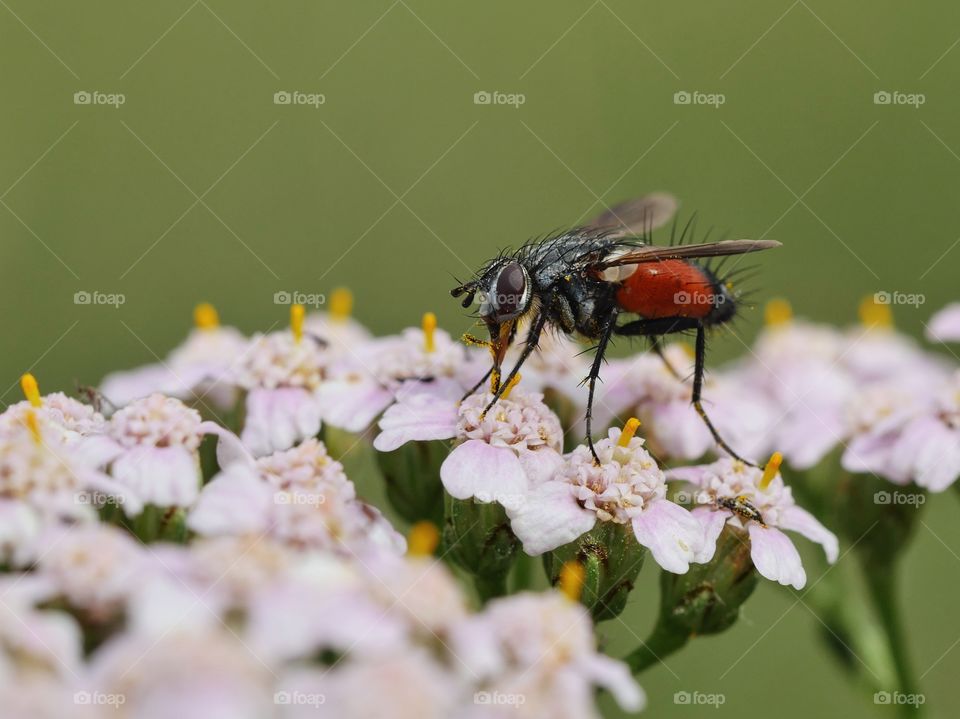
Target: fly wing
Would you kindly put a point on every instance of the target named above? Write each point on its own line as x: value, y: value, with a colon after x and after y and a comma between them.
x: 654, y: 253
x: 637, y: 216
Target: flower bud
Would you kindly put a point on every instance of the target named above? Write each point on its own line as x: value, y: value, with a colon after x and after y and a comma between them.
x: 705, y: 600
x: 477, y: 536
x: 412, y: 477
x: 611, y: 559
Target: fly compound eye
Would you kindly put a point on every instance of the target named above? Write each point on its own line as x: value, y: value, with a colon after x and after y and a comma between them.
x: 510, y: 291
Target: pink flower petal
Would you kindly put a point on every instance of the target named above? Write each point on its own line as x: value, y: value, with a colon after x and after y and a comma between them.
x: 486, y: 473
x: 235, y: 502
x: 540, y: 465
x: 797, y: 519
x: 424, y: 411
x: 935, y: 449
x: 775, y: 557
x: 711, y: 521
x: 353, y: 404
x: 162, y: 476
x: 279, y: 418
x: 549, y: 517
x: 673, y: 535
x: 945, y: 325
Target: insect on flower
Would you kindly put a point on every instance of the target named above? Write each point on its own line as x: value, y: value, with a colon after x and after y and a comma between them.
x: 582, y: 281
x: 742, y: 507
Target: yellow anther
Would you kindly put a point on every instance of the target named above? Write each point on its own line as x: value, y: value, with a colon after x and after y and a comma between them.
x: 777, y: 312
x: 297, y: 313
x: 423, y: 539
x: 629, y: 429
x: 509, y: 388
x: 33, y: 424
x: 341, y: 304
x: 770, y: 469
x: 28, y: 383
x: 874, y: 312
x: 429, y: 325
x: 572, y: 575
x: 205, y: 316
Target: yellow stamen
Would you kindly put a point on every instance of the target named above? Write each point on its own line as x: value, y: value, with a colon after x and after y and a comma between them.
x: 30, y: 419
x: 771, y: 469
x: 571, y: 580
x: 687, y: 349
x: 28, y: 383
x: 297, y: 313
x: 429, y: 325
x: 341, y: 304
x: 509, y: 388
x: 205, y: 316
x: 875, y: 314
x: 629, y: 429
x: 777, y: 312
x: 423, y: 539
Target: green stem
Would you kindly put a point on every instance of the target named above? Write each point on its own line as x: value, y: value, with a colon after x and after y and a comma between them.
x: 490, y: 587
x: 881, y: 583
x: 663, y: 642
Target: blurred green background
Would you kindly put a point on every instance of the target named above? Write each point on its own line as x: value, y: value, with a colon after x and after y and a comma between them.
x: 200, y: 187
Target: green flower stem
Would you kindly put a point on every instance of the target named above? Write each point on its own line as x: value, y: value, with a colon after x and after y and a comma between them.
x: 490, y: 587
x: 882, y: 586
x: 663, y: 642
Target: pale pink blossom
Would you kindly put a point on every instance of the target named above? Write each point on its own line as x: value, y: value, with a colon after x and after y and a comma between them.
x: 152, y: 448
x: 281, y: 372
x: 299, y: 497
x: 945, y: 325
x: 198, y: 368
x: 540, y: 651
x: 365, y: 381
x: 773, y: 553
x: 627, y: 487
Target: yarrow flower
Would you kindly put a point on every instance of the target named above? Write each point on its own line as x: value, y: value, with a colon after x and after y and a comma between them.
x: 281, y: 373
x: 300, y: 497
x: 197, y: 369
x: 945, y: 325
x: 627, y: 487
x: 366, y: 380
x: 758, y: 501
x: 152, y: 448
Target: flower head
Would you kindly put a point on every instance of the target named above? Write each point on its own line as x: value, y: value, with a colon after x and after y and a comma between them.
x: 759, y: 501
x: 626, y: 487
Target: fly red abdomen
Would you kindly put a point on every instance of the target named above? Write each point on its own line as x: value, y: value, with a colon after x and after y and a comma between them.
x: 668, y: 288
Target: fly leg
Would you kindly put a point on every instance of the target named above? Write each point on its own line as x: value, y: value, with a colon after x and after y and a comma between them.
x: 478, y: 385
x: 608, y: 331
x: 699, y: 368
x: 533, y: 339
